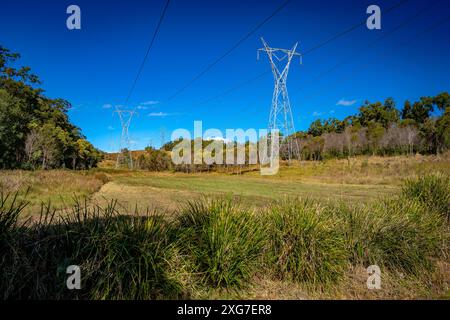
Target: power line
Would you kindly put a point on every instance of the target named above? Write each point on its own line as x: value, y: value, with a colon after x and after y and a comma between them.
x: 126, y: 116
x: 370, y: 45
x: 358, y: 69
x: 334, y: 37
x: 352, y: 28
x: 429, y: 29
x: 236, y: 87
x: 236, y: 45
x: 373, y: 43
x: 155, y: 33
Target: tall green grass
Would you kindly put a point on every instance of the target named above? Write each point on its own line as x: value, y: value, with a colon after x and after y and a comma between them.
x: 433, y: 190
x: 10, y: 208
x: 224, y: 241
x: 399, y: 234
x: 121, y: 257
x: 215, y: 243
x: 305, y: 244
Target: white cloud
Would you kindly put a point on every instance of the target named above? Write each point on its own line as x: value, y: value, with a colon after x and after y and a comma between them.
x: 224, y: 140
x: 346, y: 103
x: 163, y: 114
x: 317, y: 114
x: 332, y: 112
x: 157, y: 114
x: 107, y: 106
x: 149, y: 103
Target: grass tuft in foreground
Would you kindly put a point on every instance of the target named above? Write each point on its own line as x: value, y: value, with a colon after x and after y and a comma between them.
x: 433, y: 190
x: 399, y: 234
x: 121, y: 257
x: 305, y: 243
x: 224, y: 241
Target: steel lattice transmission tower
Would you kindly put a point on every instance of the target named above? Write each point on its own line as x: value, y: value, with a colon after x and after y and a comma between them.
x: 124, y: 153
x: 280, y: 113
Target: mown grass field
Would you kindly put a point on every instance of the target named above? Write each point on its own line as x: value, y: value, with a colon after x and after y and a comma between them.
x: 354, y: 180
x: 166, y: 191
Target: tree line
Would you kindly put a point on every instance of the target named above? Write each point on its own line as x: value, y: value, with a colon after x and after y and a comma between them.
x: 35, y: 131
x: 381, y: 129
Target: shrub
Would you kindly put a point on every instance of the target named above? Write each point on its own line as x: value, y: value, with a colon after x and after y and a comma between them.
x: 394, y: 233
x: 124, y: 257
x: 305, y: 244
x: 433, y: 190
x: 224, y: 240
x: 121, y: 257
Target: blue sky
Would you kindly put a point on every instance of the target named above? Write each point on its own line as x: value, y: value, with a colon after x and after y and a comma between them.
x: 94, y: 67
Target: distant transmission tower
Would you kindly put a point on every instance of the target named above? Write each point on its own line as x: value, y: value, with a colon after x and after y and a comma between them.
x: 163, y: 136
x: 280, y: 113
x: 124, y: 154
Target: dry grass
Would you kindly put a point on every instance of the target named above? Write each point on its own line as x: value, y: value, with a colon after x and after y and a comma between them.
x: 58, y: 187
x: 366, y: 170
x: 167, y: 190
x: 354, y: 287
x: 398, y: 234
x: 143, y: 198
x: 394, y: 285
x: 356, y: 179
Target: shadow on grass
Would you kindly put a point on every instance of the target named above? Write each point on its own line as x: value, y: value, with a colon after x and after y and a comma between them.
x: 120, y: 257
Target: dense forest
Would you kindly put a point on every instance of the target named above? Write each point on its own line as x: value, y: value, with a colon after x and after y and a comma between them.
x: 35, y: 131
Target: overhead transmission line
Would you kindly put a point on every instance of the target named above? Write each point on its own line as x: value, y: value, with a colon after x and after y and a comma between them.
x: 155, y: 33
x: 126, y: 115
x: 371, y: 44
x: 308, y: 51
x: 362, y: 23
x: 358, y: 68
x: 226, y: 53
x: 377, y: 40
